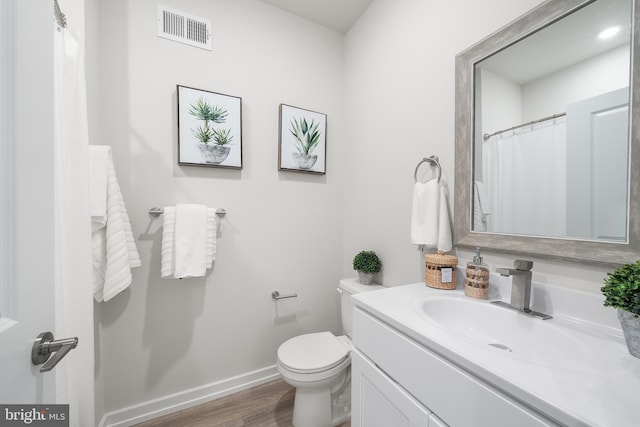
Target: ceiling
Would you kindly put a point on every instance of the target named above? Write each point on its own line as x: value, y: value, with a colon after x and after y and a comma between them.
x: 338, y: 15
x: 565, y: 43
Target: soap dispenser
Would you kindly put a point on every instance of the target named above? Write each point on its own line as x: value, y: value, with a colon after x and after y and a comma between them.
x: 476, y: 281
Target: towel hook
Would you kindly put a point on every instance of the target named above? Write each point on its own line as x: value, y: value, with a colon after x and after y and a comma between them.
x: 434, y: 161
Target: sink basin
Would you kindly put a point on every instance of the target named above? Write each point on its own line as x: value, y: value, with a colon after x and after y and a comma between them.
x: 500, y: 329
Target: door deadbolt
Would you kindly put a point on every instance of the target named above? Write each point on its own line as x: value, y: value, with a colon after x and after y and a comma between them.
x: 49, y: 351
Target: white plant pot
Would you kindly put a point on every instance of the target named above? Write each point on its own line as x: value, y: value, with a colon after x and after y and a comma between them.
x: 631, y: 328
x: 365, y: 278
x: 213, y: 154
x: 305, y: 161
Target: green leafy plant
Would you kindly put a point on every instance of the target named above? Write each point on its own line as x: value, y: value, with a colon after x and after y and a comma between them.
x: 203, y: 134
x: 367, y: 261
x: 222, y: 136
x: 622, y: 288
x: 202, y: 110
x: 306, y: 134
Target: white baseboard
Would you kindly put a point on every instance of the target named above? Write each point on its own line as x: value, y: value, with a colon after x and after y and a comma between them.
x: 185, y: 399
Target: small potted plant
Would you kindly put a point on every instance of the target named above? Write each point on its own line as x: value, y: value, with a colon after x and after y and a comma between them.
x: 622, y: 291
x: 367, y: 264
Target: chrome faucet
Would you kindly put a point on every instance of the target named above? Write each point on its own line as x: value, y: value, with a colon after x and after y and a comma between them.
x: 520, y: 288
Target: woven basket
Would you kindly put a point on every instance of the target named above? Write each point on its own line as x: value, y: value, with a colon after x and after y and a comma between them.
x: 476, y: 283
x: 440, y: 271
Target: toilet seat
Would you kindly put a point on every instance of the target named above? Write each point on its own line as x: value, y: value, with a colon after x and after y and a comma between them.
x: 311, y: 353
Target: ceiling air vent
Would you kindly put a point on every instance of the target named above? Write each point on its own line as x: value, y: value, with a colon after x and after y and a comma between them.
x: 184, y: 28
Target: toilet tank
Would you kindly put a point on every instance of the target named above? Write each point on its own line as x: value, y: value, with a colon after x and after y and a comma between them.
x: 347, y: 288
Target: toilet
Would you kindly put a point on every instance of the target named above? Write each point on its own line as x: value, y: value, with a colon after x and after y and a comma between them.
x: 318, y: 365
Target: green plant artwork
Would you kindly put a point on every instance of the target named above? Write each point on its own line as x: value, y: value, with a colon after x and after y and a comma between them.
x: 203, y: 134
x: 222, y: 136
x: 206, y: 112
x: 202, y: 110
x: 306, y: 134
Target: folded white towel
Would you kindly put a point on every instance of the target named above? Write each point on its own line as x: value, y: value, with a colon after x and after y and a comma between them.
x: 430, y: 225
x: 114, y: 248
x: 173, y: 238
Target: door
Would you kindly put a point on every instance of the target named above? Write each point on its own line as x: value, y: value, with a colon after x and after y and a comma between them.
x: 597, y: 166
x: 27, y: 268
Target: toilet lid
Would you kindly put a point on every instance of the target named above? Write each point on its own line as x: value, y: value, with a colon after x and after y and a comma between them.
x: 312, y: 352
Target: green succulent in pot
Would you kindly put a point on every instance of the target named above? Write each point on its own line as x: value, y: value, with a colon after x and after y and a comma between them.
x: 222, y: 136
x: 622, y: 288
x: 622, y: 291
x: 367, y: 264
x: 306, y: 134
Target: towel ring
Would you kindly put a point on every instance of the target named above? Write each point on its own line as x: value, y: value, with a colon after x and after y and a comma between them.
x: 434, y: 161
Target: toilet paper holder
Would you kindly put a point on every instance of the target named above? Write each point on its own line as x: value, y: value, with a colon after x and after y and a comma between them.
x: 276, y: 295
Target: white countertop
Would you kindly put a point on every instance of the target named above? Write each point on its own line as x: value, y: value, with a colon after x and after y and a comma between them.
x: 592, y: 382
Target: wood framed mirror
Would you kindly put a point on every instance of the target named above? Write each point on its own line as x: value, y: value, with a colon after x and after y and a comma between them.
x: 587, y: 209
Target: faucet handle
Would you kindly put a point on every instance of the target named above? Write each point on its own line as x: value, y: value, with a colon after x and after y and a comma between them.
x: 521, y: 264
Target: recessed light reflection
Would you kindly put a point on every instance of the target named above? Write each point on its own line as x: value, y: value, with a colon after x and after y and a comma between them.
x: 608, y: 33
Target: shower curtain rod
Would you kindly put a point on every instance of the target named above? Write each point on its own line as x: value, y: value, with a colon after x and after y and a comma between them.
x: 61, y: 19
x: 533, y: 122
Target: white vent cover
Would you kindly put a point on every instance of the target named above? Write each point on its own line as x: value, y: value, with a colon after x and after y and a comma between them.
x: 184, y: 28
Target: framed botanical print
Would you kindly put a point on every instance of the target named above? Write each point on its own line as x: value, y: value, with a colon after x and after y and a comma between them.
x: 303, y: 140
x: 209, y: 128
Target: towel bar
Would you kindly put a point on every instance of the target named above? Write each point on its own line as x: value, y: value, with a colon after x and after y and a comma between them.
x: 434, y: 161
x: 156, y: 212
x: 276, y: 295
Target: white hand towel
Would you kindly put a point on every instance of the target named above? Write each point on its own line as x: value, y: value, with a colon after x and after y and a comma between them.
x: 114, y: 249
x: 99, y: 156
x: 445, y: 240
x: 430, y: 224
x: 167, y: 266
x: 172, y: 238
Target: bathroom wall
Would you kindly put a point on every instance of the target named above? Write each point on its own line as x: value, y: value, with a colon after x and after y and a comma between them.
x: 283, y: 230
x: 399, y: 82
x: 388, y: 89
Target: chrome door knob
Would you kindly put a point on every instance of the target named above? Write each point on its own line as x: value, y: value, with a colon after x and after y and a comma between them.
x: 49, y: 351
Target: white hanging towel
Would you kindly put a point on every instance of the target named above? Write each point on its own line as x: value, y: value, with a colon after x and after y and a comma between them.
x: 114, y: 248
x: 188, y: 241
x: 430, y: 224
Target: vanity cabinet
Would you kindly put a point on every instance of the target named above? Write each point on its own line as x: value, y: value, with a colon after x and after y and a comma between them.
x: 398, y: 382
x: 380, y: 402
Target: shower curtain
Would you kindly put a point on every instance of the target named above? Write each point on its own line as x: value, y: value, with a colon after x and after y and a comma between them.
x: 524, y: 173
x: 73, y: 292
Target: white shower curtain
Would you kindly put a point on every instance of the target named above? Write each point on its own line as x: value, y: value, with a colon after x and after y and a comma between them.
x: 73, y: 293
x: 524, y: 173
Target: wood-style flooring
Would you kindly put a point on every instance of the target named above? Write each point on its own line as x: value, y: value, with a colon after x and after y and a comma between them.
x: 267, y: 405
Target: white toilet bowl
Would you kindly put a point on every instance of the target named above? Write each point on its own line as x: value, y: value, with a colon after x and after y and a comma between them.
x: 318, y: 365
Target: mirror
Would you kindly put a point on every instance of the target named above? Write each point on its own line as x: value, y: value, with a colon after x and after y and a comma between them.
x: 545, y: 138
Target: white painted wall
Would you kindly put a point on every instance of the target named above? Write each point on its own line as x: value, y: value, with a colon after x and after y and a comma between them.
x: 551, y: 94
x: 388, y: 90
x: 400, y: 107
x: 502, y: 105
x: 283, y: 231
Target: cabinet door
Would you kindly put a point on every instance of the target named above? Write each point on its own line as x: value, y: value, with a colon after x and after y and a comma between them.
x: 377, y: 401
x: 434, y: 421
